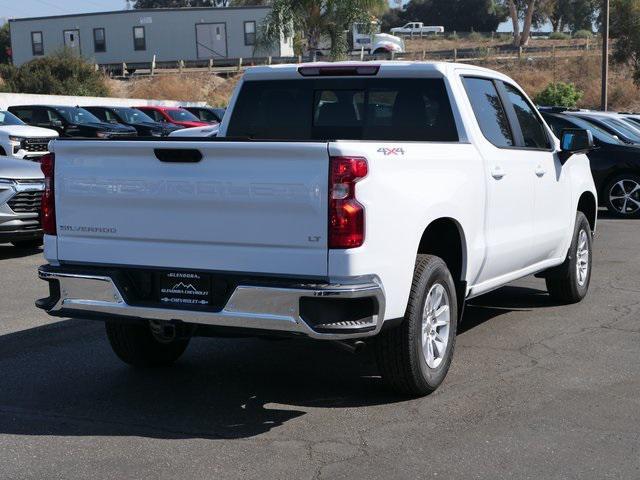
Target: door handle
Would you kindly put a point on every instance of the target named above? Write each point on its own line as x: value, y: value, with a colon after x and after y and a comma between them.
x: 498, y: 173
x: 540, y: 172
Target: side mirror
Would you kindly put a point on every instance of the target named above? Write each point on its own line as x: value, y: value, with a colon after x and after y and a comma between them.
x: 56, y: 123
x: 573, y: 142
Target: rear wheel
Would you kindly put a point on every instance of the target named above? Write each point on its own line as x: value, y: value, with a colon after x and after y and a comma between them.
x: 569, y: 283
x: 152, y: 344
x: 414, y: 357
x: 622, y: 195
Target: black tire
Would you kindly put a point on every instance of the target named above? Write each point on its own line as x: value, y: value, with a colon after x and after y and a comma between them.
x: 399, y: 351
x: 563, y: 282
x: 613, y: 188
x: 135, y: 344
x: 28, y: 244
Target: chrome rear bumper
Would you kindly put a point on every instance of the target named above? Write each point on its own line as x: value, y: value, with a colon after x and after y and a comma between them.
x: 249, y: 307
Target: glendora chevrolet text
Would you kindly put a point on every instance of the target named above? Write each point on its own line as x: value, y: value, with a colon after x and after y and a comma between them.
x: 378, y: 200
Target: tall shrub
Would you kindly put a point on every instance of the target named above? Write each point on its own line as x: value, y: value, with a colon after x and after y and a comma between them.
x: 63, y: 73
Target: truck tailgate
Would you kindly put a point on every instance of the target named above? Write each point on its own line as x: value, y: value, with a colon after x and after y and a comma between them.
x: 255, y: 207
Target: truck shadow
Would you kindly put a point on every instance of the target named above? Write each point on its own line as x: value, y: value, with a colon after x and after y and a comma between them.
x: 63, y: 379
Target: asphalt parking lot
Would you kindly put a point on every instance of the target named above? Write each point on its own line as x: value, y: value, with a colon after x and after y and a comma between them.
x: 535, y: 391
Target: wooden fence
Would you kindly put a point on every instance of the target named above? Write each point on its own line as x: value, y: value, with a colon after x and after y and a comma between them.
x: 234, y: 66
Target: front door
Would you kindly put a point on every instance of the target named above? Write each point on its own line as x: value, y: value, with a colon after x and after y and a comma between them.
x: 72, y: 40
x: 211, y: 40
x: 552, y: 207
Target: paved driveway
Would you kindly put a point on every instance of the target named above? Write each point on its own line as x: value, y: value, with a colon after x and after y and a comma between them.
x: 535, y: 391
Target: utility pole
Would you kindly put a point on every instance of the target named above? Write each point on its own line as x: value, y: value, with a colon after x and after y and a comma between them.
x: 605, y: 56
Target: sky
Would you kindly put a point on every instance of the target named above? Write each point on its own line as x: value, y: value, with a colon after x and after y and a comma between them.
x: 41, y: 8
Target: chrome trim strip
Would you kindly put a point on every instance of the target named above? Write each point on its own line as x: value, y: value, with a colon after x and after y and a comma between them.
x: 251, y: 307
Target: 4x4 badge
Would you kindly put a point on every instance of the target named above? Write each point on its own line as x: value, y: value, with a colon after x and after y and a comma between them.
x: 391, y: 151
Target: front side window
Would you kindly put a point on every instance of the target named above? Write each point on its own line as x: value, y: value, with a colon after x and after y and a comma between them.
x: 249, y: 33
x: 489, y: 111
x: 345, y: 109
x: 99, y: 40
x: 533, y: 130
x: 37, y: 44
x: 139, y: 38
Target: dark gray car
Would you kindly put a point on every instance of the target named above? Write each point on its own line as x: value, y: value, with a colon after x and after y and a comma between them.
x: 21, y: 187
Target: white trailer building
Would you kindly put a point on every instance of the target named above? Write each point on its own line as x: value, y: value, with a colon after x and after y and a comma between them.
x: 135, y: 36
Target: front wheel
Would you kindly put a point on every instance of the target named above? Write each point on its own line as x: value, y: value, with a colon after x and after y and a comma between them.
x: 414, y: 357
x: 149, y: 344
x: 569, y: 283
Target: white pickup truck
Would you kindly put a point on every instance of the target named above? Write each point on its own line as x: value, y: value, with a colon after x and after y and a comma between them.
x: 417, y: 28
x: 353, y: 202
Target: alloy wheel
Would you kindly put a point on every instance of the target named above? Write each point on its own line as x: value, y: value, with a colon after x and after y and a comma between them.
x: 582, y: 258
x: 624, y: 196
x: 436, y: 321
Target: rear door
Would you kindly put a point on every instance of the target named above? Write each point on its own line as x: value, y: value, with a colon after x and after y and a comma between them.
x: 255, y: 207
x: 510, y: 186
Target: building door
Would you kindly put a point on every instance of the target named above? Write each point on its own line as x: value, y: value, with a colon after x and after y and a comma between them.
x: 72, y: 40
x: 211, y: 40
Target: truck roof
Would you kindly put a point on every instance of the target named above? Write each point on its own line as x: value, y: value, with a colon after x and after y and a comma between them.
x: 387, y: 68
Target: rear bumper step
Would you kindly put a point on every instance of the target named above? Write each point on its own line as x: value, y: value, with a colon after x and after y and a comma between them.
x: 324, y: 311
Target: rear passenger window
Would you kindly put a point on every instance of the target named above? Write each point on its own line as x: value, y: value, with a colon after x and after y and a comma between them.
x: 24, y: 114
x: 533, y: 131
x: 489, y: 111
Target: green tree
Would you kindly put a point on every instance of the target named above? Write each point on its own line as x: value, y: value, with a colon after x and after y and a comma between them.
x: 454, y: 15
x: 317, y: 20
x: 524, y: 10
x: 5, y: 44
x: 625, y: 28
x: 571, y: 14
x: 63, y: 73
x: 559, y: 94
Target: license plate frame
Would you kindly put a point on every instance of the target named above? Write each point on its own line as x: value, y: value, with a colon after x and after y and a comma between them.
x: 184, y: 289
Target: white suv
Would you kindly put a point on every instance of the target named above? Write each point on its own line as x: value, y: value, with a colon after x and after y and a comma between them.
x: 22, y: 141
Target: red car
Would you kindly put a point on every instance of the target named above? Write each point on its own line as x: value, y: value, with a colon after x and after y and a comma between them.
x: 175, y: 115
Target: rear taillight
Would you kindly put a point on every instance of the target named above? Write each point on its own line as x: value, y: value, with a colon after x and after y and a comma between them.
x: 48, y: 209
x: 346, y: 214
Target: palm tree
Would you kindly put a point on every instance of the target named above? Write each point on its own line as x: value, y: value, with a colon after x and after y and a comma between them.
x: 316, y: 20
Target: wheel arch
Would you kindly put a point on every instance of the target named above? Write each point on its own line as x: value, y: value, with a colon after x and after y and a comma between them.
x: 445, y: 238
x: 588, y: 205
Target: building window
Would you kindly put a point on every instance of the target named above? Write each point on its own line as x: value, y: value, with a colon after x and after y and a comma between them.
x: 37, y: 46
x: 99, y: 40
x: 249, y: 33
x: 139, y: 41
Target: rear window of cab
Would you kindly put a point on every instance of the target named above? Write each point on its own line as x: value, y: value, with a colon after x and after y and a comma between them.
x: 344, y: 109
